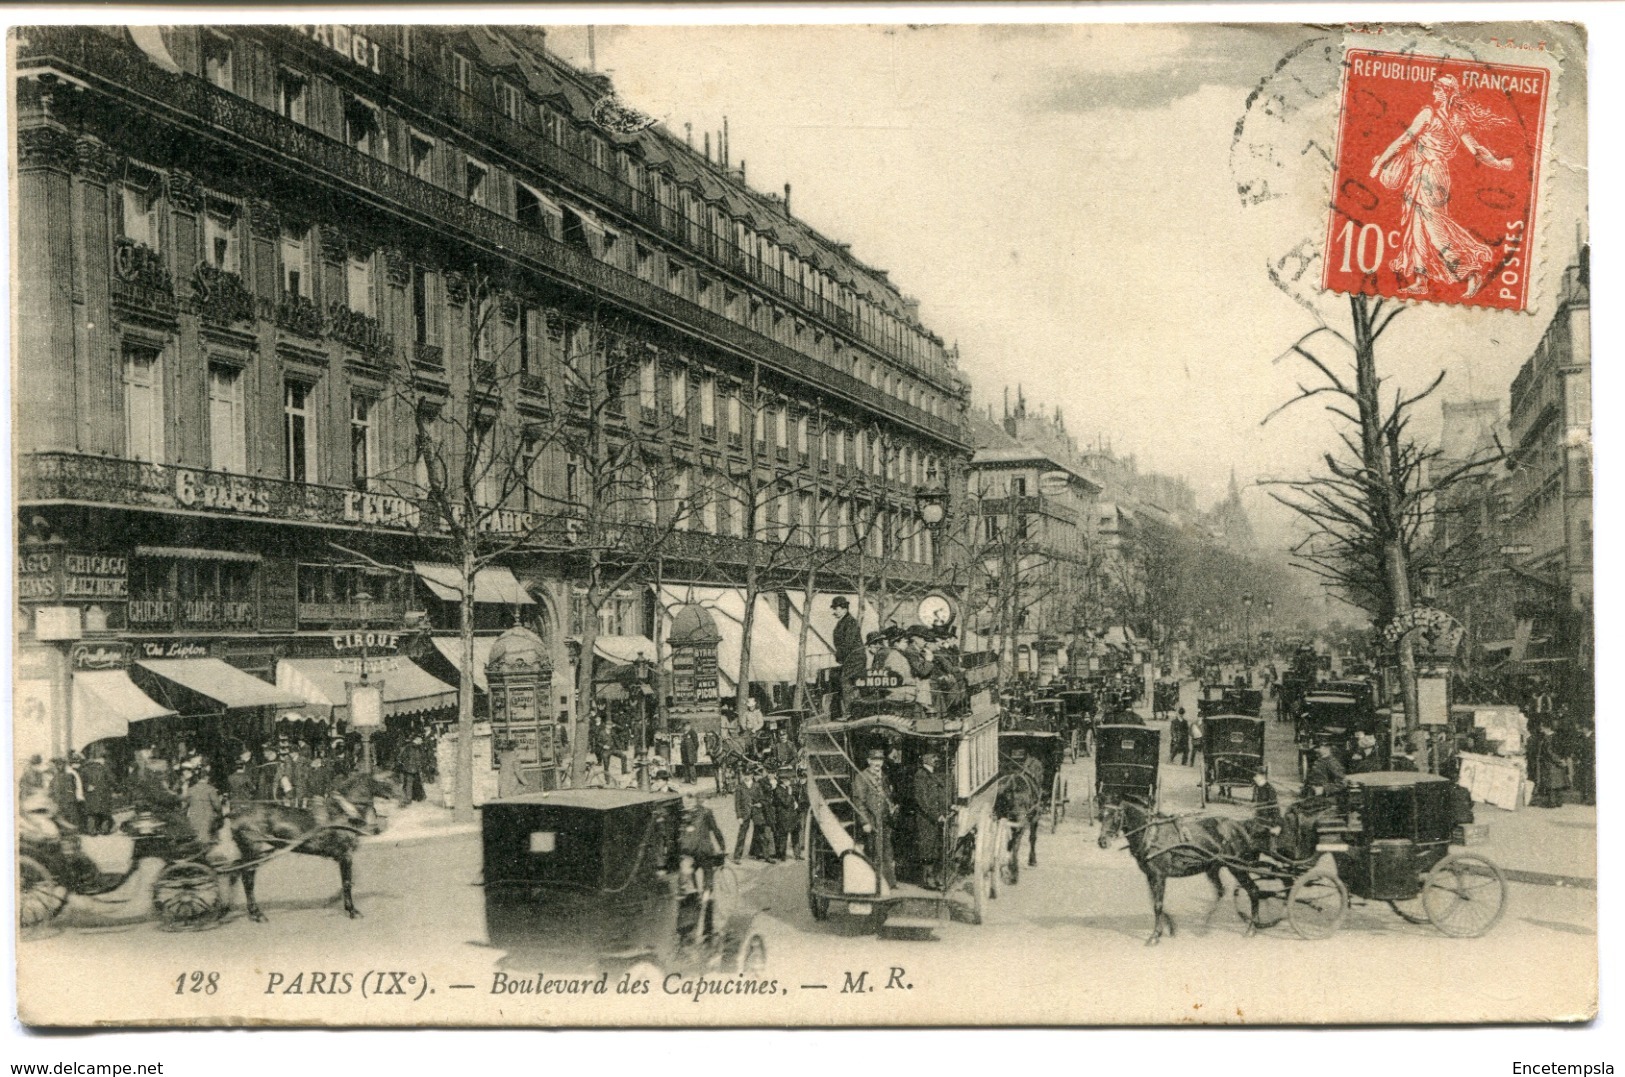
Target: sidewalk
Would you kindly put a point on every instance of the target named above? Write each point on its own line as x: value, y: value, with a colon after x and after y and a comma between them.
x: 1546, y: 846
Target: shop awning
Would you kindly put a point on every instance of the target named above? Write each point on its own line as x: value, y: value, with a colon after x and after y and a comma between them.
x: 496, y: 585
x: 225, y: 684
x: 408, y: 688
x: 624, y: 649
x: 772, y: 649
x: 105, y: 702
x: 451, y: 648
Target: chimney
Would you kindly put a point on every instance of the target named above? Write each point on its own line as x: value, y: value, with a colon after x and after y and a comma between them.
x: 708, y: 145
x: 787, y: 200
x: 688, y: 135
x: 724, y: 142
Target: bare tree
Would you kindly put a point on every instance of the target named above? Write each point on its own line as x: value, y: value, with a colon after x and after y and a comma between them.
x: 1370, y: 505
x: 530, y: 395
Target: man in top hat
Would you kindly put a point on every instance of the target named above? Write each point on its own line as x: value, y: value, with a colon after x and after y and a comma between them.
x: 688, y: 751
x: 929, y: 799
x: 1326, y: 774
x: 848, y: 643
x: 744, y: 811
x: 410, y: 764
x: 240, y: 784
x: 98, y: 786
x: 784, y: 811
x: 872, y: 800
x: 916, y: 651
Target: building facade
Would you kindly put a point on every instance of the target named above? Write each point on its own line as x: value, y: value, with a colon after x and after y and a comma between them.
x: 259, y: 265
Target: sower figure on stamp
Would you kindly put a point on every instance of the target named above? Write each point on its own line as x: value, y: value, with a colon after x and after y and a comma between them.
x: 872, y: 799
x: 1433, y: 246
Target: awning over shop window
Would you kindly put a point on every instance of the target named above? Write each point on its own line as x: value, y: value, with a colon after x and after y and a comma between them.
x: 773, y: 647
x: 624, y: 649
x: 451, y: 649
x: 496, y: 585
x: 225, y: 684
x: 408, y: 688
x: 105, y: 702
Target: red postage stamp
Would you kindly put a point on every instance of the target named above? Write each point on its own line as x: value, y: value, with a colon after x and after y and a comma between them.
x: 1438, y: 179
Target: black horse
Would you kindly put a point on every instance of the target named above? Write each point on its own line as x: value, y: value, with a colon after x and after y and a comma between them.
x: 332, y: 828
x: 1169, y: 848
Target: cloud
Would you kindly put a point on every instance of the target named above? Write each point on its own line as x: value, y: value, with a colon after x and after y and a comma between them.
x: 1222, y: 56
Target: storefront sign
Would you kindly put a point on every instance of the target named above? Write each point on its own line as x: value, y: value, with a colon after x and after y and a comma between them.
x: 380, y: 510
x: 366, y: 667
x: 58, y: 575
x: 350, y: 44
x: 93, y: 656
x: 345, y: 642
x: 37, y: 576
x: 173, y: 648
x: 228, y: 493
x: 99, y: 577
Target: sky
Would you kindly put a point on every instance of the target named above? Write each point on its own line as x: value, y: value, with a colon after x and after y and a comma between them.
x: 1063, y: 200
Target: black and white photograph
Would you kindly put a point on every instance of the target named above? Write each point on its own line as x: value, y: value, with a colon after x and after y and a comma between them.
x: 852, y: 523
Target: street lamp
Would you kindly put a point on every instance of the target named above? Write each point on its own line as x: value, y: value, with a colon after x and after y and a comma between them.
x: 1247, y: 623
x: 641, y: 666
x: 932, y: 500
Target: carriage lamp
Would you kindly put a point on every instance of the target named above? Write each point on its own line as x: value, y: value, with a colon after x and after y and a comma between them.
x: 932, y: 499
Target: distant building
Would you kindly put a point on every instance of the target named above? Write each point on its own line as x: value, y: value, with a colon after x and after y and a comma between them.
x: 1547, y: 496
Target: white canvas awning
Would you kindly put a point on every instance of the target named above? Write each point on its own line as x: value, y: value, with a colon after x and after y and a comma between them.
x: 496, y: 585
x: 105, y: 702
x: 225, y: 684
x: 773, y: 646
x: 408, y: 687
x: 451, y: 647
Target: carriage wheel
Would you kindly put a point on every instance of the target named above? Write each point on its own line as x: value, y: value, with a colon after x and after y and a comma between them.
x: 1464, y: 895
x: 983, y: 885
x: 1057, y: 803
x: 39, y: 896
x: 187, y: 894
x: 1316, y: 903
x: 1271, y: 906
x: 1411, y: 910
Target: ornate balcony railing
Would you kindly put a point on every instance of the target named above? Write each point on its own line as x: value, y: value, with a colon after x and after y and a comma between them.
x: 44, y: 478
x: 141, y: 280
x: 100, y: 61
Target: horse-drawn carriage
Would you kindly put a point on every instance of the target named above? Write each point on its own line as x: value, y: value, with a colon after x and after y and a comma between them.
x: 1127, y: 760
x: 595, y: 878
x: 1210, y: 700
x: 959, y: 855
x: 1077, y: 720
x: 1030, y: 764
x: 1336, y: 719
x: 191, y: 890
x: 1232, y: 752
x: 1389, y: 834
